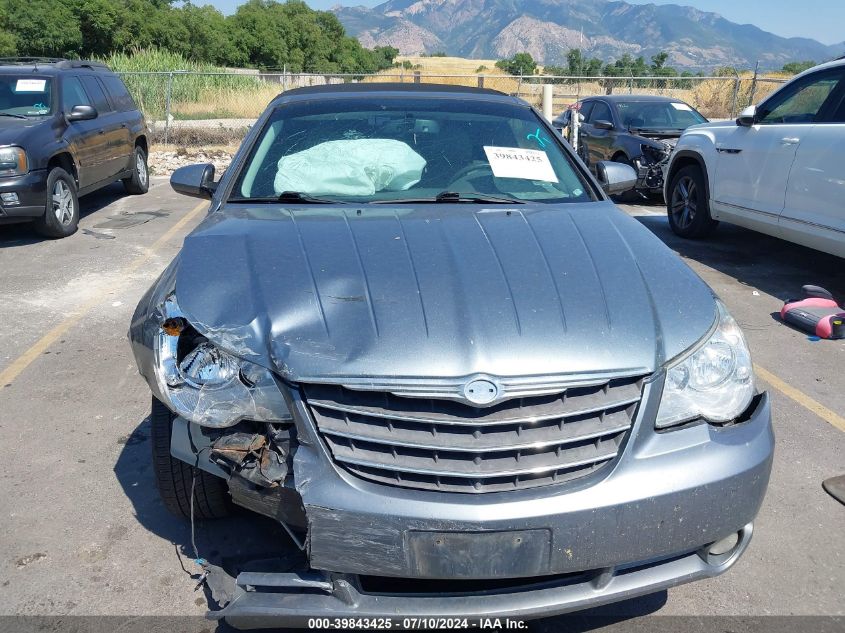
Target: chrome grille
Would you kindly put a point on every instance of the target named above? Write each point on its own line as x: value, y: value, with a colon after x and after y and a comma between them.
x: 444, y: 445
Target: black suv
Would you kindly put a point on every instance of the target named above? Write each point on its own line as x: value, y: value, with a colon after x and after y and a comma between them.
x: 638, y: 130
x: 66, y: 129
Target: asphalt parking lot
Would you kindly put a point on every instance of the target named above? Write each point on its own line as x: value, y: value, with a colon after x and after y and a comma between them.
x: 84, y: 533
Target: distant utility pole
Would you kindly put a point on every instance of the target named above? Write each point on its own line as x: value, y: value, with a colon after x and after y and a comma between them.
x: 754, y: 83
x: 580, y: 63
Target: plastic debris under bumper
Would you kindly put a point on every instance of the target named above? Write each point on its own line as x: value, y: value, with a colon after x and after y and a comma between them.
x: 650, y: 175
x: 273, y: 600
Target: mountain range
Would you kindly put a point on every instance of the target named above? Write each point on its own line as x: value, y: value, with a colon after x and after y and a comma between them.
x: 607, y: 29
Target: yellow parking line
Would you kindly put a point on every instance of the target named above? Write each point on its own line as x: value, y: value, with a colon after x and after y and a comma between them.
x: 24, y: 360
x: 801, y: 398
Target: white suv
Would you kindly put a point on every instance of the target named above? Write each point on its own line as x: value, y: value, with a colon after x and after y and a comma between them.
x: 779, y: 169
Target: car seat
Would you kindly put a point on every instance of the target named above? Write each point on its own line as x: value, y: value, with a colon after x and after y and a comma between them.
x: 817, y: 313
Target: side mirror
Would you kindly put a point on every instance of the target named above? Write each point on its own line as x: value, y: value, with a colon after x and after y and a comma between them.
x: 603, y: 125
x: 581, y: 118
x: 747, y: 117
x: 196, y: 181
x: 615, y: 177
x: 82, y: 113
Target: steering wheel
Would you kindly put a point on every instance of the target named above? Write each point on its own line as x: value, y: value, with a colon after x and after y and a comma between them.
x: 471, y: 169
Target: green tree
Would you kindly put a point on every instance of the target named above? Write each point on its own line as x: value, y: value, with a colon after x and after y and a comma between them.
x: 275, y: 35
x: 639, y: 68
x: 8, y: 43
x: 576, y: 65
x: 384, y: 56
x: 574, y: 61
x: 592, y: 67
x: 98, y: 22
x: 725, y: 71
x: 148, y: 24
x: 519, y: 64
x: 209, y: 37
x: 793, y: 68
x: 43, y: 27
x: 262, y: 33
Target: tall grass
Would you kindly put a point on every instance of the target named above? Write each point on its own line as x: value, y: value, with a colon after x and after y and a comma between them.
x: 204, y: 91
x: 146, y: 74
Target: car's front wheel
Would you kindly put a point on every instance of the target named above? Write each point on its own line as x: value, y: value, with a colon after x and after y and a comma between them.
x: 139, y: 181
x: 61, y: 213
x: 689, y: 204
x: 174, y: 478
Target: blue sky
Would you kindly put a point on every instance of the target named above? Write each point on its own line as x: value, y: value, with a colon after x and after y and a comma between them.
x: 823, y: 20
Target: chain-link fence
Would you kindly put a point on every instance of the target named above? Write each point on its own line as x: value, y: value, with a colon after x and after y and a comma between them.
x: 195, y: 109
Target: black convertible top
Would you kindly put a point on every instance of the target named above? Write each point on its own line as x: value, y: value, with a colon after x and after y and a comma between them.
x: 345, y: 88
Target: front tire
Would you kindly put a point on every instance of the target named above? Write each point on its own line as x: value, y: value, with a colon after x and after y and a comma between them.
x: 688, y: 206
x: 61, y: 212
x: 139, y: 181
x: 174, y: 477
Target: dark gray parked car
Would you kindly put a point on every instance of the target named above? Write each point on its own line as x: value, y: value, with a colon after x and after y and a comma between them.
x: 638, y: 130
x: 67, y: 128
x: 415, y: 331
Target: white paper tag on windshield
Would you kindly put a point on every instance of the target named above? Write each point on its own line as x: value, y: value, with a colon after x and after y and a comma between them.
x: 681, y: 106
x: 515, y: 162
x: 30, y: 85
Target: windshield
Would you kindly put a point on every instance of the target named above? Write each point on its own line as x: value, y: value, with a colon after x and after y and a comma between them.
x: 26, y: 95
x: 666, y: 115
x: 380, y: 150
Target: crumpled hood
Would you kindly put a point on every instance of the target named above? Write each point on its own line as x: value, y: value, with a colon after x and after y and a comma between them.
x: 670, y: 141
x: 440, y: 291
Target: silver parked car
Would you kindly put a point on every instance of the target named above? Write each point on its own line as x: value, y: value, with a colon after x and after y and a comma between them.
x: 414, y: 331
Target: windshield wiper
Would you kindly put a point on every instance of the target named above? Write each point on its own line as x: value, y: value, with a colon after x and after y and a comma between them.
x: 478, y: 198
x: 455, y: 197
x: 304, y: 198
x: 287, y: 196
x: 15, y: 116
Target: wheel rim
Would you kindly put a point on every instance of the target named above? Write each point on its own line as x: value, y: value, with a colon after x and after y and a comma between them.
x: 684, y: 202
x: 141, y: 168
x: 62, y: 202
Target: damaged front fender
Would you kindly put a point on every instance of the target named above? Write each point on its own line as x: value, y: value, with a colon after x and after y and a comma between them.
x: 164, y: 340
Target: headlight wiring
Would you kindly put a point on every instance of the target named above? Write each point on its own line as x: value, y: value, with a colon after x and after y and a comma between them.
x: 206, y: 384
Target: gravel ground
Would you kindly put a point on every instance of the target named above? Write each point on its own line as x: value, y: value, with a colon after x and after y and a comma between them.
x: 165, y: 159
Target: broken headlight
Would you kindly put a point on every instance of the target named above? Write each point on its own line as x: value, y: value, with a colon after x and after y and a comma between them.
x: 654, y: 155
x: 714, y: 380
x: 206, y: 384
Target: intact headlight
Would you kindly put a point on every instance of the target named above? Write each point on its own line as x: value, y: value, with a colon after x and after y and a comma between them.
x: 13, y: 161
x: 206, y: 384
x: 714, y: 380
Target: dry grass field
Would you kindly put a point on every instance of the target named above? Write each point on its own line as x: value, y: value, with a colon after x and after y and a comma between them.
x: 202, y: 95
x: 451, y: 65
x: 712, y: 97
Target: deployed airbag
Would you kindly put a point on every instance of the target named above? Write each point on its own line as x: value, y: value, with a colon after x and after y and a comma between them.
x: 355, y: 167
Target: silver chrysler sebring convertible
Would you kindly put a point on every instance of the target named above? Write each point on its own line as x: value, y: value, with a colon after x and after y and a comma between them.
x: 414, y: 331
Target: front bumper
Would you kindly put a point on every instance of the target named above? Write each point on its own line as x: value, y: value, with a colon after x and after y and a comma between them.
x: 644, y: 525
x: 32, y: 195
x: 667, y: 494
x: 325, y: 602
